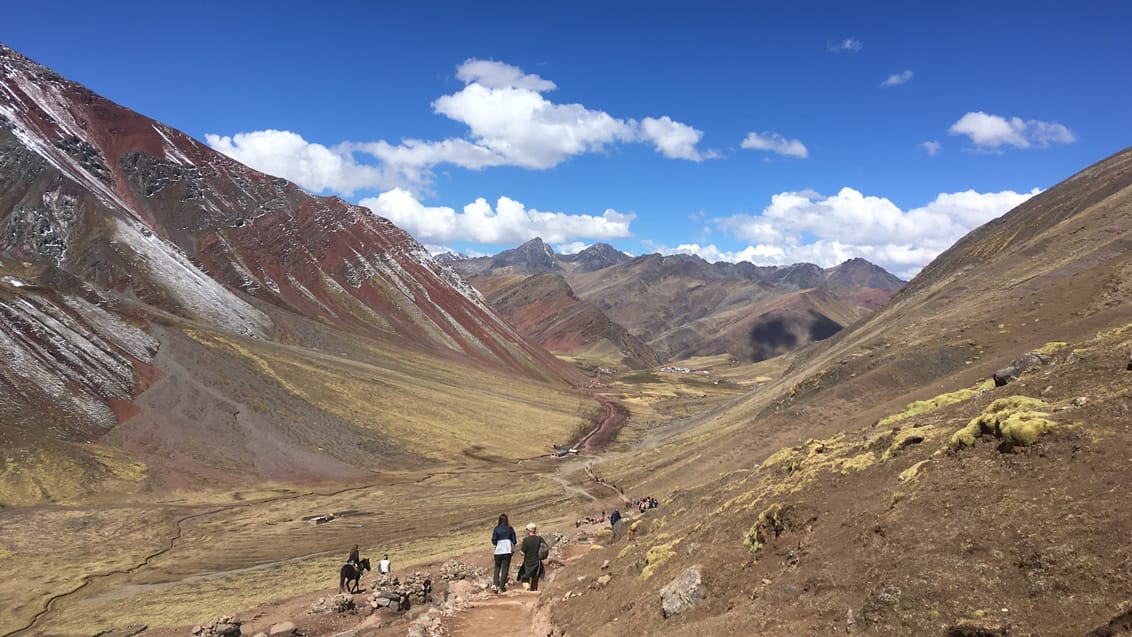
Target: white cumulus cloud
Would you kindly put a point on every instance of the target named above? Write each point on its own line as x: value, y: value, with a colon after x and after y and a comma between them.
x: 807, y: 227
x: 671, y: 138
x: 527, y: 130
x: 775, y: 143
x: 574, y: 247
x: 498, y: 75
x: 932, y: 148
x: 313, y: 166
x: 897, y: 79
x: 508, y: 120
x: 993, y: 131
x: 848, y: 45
x: 509, y: 222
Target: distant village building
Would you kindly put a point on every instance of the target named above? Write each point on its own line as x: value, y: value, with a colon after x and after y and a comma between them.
x: 685, y: 370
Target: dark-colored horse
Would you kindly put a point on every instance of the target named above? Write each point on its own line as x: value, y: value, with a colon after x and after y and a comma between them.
x: 350, y: 573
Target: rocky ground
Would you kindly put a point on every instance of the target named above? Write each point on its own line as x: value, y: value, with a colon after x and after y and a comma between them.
x: 456, y: 602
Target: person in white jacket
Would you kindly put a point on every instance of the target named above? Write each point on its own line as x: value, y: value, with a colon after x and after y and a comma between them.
x: 503, y: 539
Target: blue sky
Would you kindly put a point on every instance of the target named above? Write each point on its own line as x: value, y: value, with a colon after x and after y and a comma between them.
x: 772, y: 132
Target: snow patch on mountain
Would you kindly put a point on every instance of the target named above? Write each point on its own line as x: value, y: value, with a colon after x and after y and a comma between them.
x: 112, y: 328
x: 195, y: 291
x: 172, y: 152
x: 85, y: 369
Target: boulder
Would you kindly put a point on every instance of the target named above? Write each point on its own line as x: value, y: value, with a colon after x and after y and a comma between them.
x: 283, y: 628
x: 977, y: 628
x: 339, y: 603
x: 620, y: 529
x: 683, y: 593
x: 226, y: 626
x: 1011, y: 372
x: 456, y: 570
x: 389, y: 592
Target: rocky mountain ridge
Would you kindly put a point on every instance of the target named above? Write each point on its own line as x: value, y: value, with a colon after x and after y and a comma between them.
x: 682, y: 306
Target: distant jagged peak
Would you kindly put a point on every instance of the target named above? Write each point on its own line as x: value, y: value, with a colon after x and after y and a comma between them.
x: 596, y: 257
x: 536, y: 256
x: 533, y: 257
x: 536, y: 246
x: 862, y: 273
x: 450, y: 257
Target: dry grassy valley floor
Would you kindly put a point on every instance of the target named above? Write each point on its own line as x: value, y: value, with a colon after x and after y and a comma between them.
x: 76, y: 570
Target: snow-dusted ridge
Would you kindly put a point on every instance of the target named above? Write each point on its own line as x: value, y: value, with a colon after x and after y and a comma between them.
x: 195, y: 291
x: 45, y: 108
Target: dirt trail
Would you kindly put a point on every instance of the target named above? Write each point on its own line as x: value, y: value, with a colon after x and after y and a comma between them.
x: 514, y: 613
x: 612, y: 419
x: 510, y: 613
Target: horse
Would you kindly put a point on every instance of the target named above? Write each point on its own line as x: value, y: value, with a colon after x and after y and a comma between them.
x: 351, y: 573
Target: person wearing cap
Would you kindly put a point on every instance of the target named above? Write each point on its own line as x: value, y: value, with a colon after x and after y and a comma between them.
x: 532, y: 560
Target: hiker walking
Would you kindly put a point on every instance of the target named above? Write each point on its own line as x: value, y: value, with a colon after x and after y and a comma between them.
x: 384, y: 566
x: 503, y: 539
x: 535, y: 550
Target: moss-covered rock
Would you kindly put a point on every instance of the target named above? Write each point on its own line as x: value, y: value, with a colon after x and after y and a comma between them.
x: 1018, y: 420
x: 858, y: 462
x: 911, y: 473
x: 767, y: 526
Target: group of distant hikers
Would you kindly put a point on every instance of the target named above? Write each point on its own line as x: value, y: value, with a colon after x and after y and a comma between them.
x: 350, y: 575
x: 642, y: 505
x: 504, y: 542
x: 531, y: 569
x: 504, y: 545
x: 384, y: 566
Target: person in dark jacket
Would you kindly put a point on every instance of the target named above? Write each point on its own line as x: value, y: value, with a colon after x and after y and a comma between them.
x: 354, y: 560
x: 503, y: 539
x: 532, y: 561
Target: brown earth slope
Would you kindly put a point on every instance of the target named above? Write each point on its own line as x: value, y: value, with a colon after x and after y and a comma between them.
x: 544, y: 308
x: 884, y: 485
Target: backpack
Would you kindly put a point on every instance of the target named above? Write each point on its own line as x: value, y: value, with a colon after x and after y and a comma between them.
x: 543, y: 550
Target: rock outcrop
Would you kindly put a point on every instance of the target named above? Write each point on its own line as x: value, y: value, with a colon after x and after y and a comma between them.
x: 683, y: 593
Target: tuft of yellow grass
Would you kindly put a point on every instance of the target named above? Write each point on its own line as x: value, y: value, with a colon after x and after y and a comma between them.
x: 657, y: 556
x: 1016, y: 419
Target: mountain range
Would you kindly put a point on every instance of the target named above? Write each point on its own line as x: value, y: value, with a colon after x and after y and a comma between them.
x: 679, y: 306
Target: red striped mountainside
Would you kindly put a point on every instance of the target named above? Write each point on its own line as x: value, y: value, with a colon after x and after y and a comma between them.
x: 114, y: 226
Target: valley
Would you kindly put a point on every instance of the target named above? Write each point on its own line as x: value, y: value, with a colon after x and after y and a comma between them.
x: 160, y: 563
